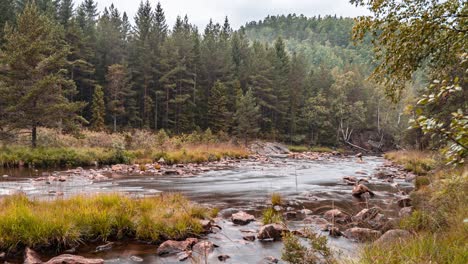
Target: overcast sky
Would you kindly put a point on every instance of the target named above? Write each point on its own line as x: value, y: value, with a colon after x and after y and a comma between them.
x: 239, y: 11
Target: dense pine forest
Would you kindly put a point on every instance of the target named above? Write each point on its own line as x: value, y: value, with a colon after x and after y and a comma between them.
x: 287, y: 78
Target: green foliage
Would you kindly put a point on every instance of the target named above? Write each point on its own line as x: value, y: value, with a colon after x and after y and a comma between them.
x: 36, y: 89
x: 98, y: 109
x: 67, y: 223
x: 317, y: 252
x: 427, y: 36
x: 271, y: 216
x: 247, y: 116
x: 421, y: 181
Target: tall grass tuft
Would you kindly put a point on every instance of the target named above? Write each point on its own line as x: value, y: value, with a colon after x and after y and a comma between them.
x: 65, y: 223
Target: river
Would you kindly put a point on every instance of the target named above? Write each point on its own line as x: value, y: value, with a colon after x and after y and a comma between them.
x: 247, y: 185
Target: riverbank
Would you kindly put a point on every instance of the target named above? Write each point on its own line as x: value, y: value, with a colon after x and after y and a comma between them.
x: 437, y: 219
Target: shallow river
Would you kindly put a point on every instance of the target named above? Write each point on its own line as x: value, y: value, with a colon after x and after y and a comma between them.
x: 314, y: 185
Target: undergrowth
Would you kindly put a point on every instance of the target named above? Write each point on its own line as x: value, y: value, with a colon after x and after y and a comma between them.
x: 439, y: 222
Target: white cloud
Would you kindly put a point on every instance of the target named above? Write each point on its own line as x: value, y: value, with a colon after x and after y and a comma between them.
x: 239, y: 11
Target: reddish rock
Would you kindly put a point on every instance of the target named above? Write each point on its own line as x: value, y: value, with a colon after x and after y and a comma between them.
x: 172, y: 247
x: 272, y: 231
x: 242, y: 218
x: 337, y: 216
x: 31, y: 257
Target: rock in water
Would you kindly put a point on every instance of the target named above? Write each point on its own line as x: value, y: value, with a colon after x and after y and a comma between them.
x: 72, y: 259
x: 337, y: 216
x: 173, y: 247
x: 272, y: 231
x: 242, y: 218
x: 362, y: 234
x: 204, y: 248
x: 31, y: 257
x: 223, y: 258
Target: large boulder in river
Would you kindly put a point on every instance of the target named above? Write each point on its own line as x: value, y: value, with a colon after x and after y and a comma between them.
x: 272, y: 231
x: 337, y: 216
x: 242, y: 218
x: 72, y: 259
x: 392, y: 236
x: 172, y: 247
x: 31, y: 257
x: 362, y: 234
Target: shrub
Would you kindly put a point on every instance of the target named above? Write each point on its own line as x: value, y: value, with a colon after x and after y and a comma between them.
x: 317, y: 252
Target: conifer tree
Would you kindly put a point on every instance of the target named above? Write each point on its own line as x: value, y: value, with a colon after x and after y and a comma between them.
x: 247, y: 116
x: 65, y: 12
x: 7, y: 15
x: 98, y: 109
x: 34, y: 85
x: 218, y: 112
x: 117, y: 91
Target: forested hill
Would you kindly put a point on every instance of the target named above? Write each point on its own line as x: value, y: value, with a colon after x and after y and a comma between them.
x: 322, y: 40
x: 301, y: 81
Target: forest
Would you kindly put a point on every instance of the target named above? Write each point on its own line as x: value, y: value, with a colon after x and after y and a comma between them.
x: 287, y: 78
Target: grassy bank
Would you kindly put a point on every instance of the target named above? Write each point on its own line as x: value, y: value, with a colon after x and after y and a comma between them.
x: 65, y: 223
x: 90, y: 148
x: 420, y: 163
x: 438, y: 222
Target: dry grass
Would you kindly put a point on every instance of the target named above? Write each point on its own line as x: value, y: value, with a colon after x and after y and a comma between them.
x: 62, y: 150
x: 65, y: 223
x: 417, y: 162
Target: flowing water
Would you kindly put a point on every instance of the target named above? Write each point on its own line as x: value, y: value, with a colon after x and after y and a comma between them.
x: 315, y: 185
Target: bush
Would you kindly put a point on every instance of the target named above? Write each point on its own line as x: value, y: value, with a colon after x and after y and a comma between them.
x: 317, y: 252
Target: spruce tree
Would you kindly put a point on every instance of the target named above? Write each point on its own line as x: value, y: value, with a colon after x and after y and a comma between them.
x: 98, y: 109
x: 247, y: 116
x: 35, y: 86
x: 65, y: 12
x: 217, y: 108
x: 7, y: 15
x: 118, y: 90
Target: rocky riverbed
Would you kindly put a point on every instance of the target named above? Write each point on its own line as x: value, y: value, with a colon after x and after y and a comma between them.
x: 317, y: 190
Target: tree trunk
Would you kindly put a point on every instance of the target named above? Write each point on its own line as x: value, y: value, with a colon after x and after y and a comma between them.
x: 34, y: 136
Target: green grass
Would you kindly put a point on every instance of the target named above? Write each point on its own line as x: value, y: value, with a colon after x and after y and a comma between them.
x: 271, y: 216
x: 438, y: 222
x: 298, y: 149
x: 65, y: 223
x: 322, y: 149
